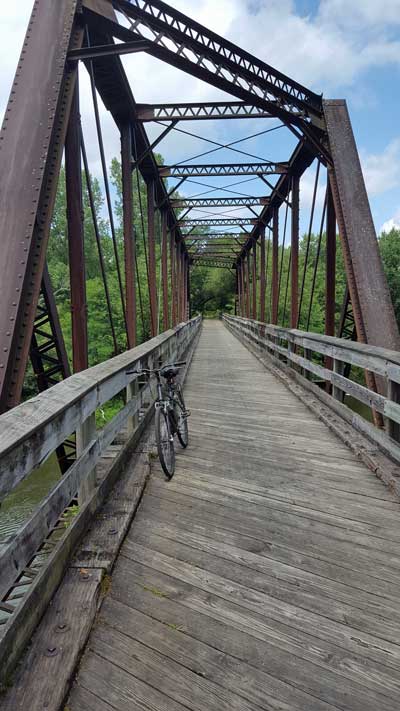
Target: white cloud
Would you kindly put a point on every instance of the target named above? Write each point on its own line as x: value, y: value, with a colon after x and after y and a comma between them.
x: 392, y: 224
x: 382, y: 171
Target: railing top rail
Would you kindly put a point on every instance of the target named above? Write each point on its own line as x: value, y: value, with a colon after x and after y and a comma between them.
x: 31, y: 431
x: 375, y: 353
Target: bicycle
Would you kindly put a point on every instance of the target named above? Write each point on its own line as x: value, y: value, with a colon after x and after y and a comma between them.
x: 171, y: 414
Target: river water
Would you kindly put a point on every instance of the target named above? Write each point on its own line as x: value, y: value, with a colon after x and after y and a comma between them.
x: 18, y: 506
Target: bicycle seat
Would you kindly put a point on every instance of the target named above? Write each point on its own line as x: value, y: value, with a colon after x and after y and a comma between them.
x: 169, y: 371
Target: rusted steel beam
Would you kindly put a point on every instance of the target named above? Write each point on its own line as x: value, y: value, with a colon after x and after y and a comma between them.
x: 113, y: 86
x: 188, y: 292
x: 372, y: 306
x: 222, y: 170
x: 275, y: 266
x: 164, y: 269
x: 32, y: 140
x: 152, y: 257
x: 254, y: 277
x: 172, y: 253
x: 129, y: 233
x: 220, y: 202
x: 262, y: 275
x: 248, y: 269
x: 330, y: 267
x: 218, y: 222
x: 76, y: 246
x: 202, y: 111
x: 294, y: 254
x: 233, y: 70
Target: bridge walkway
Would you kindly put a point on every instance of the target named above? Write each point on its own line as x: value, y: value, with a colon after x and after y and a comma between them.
x: 265, y: 575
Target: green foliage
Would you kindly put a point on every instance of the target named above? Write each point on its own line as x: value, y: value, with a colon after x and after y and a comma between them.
x: 389, y: 245
x: 212, y: 289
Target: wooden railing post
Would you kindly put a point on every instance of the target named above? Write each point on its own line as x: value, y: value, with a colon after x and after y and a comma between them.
x: 393, y: 393
x: 84, y: 436
x: 132, y: 392
x: 338, y: 367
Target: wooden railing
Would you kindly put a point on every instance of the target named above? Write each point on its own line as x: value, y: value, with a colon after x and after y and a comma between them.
x: 31, y: 432
x: 305, y: 357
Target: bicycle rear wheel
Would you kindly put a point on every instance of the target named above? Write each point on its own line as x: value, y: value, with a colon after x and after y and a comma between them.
x: 165, y: 443
x: 182, y: 429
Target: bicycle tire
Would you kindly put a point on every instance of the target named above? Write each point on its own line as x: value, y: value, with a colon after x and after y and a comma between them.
x: 182, y: 429
x: 165, y: 444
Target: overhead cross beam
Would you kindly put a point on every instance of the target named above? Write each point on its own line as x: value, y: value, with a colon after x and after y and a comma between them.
x: 199, y: 112
x: 220, y: 202
x: 219, y: 222
x: 222, y: 169
x: 185, y: 43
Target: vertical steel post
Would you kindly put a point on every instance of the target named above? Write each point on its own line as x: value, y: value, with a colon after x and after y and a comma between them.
x: 178, y: 283
x: 330, y: 275
x: 129, y: 233
x: 173, y: 277
x: 248, y: 271
x: 243, y: 270
x: 294, y: 271
x: 239, y: 288
x: 275, y: 266
x: 184, y: 287
x: 184, y: 284
x: 262, y: 274
x: 254, y: 277
x: 330, y: 272
x: 152, y: 257
x: 164, y: 269
x: 189, y: 298
x: 73, y: 176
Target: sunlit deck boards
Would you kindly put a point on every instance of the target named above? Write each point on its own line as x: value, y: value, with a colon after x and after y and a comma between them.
x: 266, y: 575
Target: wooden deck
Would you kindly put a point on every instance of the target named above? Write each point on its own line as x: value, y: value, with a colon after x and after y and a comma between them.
x: 266, y: 575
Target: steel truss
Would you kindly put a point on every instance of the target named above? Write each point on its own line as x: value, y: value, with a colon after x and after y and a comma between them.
x: 220, y: 170
x: 218, y: 222
x: 197, y: 112
x: 40, y: 122
x: 220, y: 202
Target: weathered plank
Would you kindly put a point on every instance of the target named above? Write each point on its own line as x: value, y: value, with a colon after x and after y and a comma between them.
x: 266, y: 574
x: 41, y: 681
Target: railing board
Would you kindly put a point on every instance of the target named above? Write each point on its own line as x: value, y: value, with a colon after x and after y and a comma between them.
x: 378, y: 360
x: 32, y: 431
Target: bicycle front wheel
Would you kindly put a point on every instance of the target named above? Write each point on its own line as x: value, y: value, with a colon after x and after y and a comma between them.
x: 182, y: 429
x: 165, y: 443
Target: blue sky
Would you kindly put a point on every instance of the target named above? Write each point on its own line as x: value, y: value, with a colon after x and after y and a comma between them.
x: 339, y: 48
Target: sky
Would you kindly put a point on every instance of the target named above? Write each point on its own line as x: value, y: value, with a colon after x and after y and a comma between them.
x: 338, y: 48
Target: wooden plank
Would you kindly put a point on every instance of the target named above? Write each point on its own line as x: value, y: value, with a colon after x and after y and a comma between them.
x: 329, y: 563
x: 296, y: 516
x: 83, y: 700
x: 283, y: 672
x: 266, y: 574
x: 121, y: 689
x: 378, y: 649
x: 55, y: 646
x: 103, y: 541
x: 207, y: 662
x: 238, y: 549
x: 174, y: 680
x: 290, y: 650
x: 317, y: 599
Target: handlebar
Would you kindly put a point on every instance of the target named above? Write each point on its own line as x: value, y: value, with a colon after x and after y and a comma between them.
x: 148, y: 371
